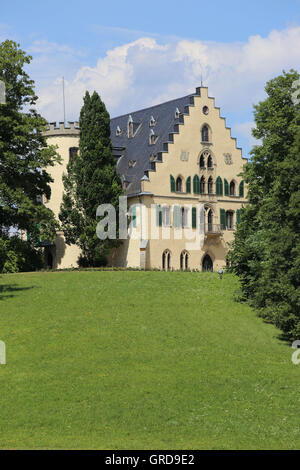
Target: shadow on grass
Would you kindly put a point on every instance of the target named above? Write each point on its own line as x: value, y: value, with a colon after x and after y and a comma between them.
x: 9, y: 290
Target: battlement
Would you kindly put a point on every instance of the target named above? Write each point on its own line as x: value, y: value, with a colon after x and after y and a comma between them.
x: 62, y: 128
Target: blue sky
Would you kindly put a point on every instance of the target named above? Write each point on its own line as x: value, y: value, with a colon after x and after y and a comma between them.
x: 137, y: 53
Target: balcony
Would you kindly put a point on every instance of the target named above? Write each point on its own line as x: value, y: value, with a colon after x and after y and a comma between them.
x: 213, y: 230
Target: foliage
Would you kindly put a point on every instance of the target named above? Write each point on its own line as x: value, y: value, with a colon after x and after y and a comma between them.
x: 266, y: 249
x: 19, y: 255
x: 91, y: 180
x: 24, y: 154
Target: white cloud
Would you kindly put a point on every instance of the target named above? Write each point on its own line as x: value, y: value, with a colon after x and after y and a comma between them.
x: 144, y: 72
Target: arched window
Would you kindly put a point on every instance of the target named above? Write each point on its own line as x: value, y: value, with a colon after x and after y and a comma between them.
x: 202, y: 185
x: 130, y: 127
x: 172, y: 184
x: 219, y: 186
x: 179, y: 184
x: 202, y: 162
x: 184, y: 260
x: 196, y: 184
x: 205, y: 133
x: 209, y: 162
x: 188, y: 185
x: 166, y: 260
x: 210, y: 221
x: 232, y: 188
x: 241, y: 189
x: 210, y: 185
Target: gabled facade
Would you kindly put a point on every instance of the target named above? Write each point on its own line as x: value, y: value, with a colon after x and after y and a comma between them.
x: 180, y: 168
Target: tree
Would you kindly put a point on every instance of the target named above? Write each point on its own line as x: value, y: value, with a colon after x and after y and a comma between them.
x: 24, y: 158
x: 91, y: 180
x: 266, y: 249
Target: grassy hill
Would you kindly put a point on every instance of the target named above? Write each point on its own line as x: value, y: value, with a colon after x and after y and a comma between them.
x: 141, y: 360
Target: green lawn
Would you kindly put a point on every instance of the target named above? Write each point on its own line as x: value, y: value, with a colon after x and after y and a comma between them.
x: 141, y: 360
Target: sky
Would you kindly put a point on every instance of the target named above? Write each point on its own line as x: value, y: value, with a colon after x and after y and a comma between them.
x: 136, y: 53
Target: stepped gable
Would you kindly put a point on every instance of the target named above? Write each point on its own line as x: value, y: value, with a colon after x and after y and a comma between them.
x: 133, y: 153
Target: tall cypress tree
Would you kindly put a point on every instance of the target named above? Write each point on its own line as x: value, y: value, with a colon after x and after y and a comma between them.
x: 91, y: 180
x: 24, y: 159
x: 266, y: 249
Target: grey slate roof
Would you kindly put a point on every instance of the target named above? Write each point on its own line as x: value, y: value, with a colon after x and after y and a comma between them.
x: 138, y: 148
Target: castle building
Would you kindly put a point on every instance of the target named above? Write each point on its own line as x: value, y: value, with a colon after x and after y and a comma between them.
x: 180, y: 168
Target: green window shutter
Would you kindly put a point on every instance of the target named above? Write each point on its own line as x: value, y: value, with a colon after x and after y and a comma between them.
x: 194, y: 217
x: 188, y: 185
x: 158, y: 215
x: 172, y: 184
x: 238, y: 216
x: 219, y: 186
x: 177, y: 216
x: 196, y: 184
x: 226, y: 187
x: 223, y: 219
x: 241, y: 189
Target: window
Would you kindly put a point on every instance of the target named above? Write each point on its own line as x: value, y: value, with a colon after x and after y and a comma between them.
x: 210, y: 185
x: 209, y: 162
x: 184, y: 216
x: 118, y: 130
x: 205, y: 133
x: 202, y: 162
x: 241, y: 189
x: 152, y: 137
x: 196, y: 184
x: 177, y: 217
x: 223, y: 219
x: 166, y: 216
x: 232, y: 188
x: 188, y: 185
x: 73, y: 152
x: 194, y: 217
x: 179, y: 184
x: 184, y: 260
x: 219, y: 186
x: 226, y: 187
x: 152, y: 122
x: 177, y: 113
x: 166, y: 260
x: 229, y: 219
x: 205, y: 110
x: 202, y: 185
x: 210, y: 221
x: 172, y: 184
x: 158, y: 215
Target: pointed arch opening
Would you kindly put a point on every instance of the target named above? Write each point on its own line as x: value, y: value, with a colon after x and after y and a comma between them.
x: 166, y: 260
x: 207, y: 263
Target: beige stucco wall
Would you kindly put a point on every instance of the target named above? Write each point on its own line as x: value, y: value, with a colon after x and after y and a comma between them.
x: 132, y: 252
